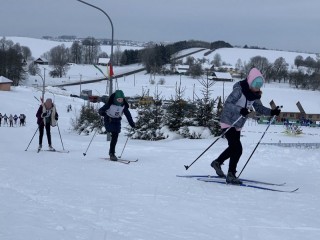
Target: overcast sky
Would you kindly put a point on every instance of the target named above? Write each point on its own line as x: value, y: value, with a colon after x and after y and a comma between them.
x: 274, y: 24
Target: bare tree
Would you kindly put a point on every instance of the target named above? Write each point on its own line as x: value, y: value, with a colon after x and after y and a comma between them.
x: 196, y: 70
x: 217, y: 60
x: 91, y: 50
x: 117, y: 55
x: 76, y: 52
x: 59, y: 57
x: 26, y: 52
x: 298, y: 61
x: 279, y: 69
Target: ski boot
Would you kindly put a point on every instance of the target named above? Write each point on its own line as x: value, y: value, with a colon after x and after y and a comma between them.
x: 51, y: 148
x: 217, y: 166
x: 113, y: 157
x: 232, y: 179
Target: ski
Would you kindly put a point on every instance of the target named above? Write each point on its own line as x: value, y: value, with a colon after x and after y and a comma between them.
x: 58, y: 151
x: 248, y: 185
x: 128, y: 160
x: 242, y: 179
x: 121, y: 160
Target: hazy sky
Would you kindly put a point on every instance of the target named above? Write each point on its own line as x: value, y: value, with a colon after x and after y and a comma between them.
x: 275, y: 24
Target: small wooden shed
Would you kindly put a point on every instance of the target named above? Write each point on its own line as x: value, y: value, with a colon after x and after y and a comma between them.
x: 5, y: 84
x: 41, y: 61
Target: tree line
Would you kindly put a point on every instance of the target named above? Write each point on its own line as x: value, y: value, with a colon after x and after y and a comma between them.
x: 307, y: 75
x: 192, y: 119
x: 12, y: 57
x: 88, y: 51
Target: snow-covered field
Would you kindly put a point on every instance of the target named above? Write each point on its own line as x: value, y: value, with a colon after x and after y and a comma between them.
x: 69, y: 196
x: 57, y: 196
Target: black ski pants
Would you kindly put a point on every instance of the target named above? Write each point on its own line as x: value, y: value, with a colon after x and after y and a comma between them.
x: 233, y: 151
x: 113, y: 142
x: 41, y: 131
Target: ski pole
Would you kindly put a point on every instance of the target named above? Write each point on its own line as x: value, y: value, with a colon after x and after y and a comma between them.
x: 32, y: 138
x: 225, y: 131
x: 85, y: 153
x: 273, y: 118
x: 124, y: 147
x: 60, y: 137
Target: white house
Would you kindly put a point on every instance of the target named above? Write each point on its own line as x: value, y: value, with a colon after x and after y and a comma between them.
x: 221, y: 76
x: 103, y: 61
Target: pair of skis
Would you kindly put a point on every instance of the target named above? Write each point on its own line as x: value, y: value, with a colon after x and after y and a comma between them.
x: 124, y: 161
x: 246, y: 183
x: 47, y: 150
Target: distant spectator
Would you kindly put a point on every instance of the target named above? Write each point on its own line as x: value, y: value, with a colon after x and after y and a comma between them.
x: 15, y: 118
x: 5, y: 118
x: 22, y: 119
x: 11, y: 120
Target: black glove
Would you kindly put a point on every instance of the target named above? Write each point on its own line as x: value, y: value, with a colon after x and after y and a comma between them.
x: 56, y: 118
x: 244, y: 112
x: 275, y: 111
x: 43, y: 115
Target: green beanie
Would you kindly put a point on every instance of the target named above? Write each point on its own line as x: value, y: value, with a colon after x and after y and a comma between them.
x: 118, y: 94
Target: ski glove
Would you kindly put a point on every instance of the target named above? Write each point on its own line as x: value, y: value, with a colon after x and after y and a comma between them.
x: 43, y: 115
x: 244, y: 112
x: 275, y: 111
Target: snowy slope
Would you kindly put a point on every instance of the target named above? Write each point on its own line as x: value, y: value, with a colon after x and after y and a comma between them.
x: 57, y: 196
x: 41, y: 46
x: 68, y: 196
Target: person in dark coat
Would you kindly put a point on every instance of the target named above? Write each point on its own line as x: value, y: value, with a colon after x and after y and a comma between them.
x: 112, y: 112
x: 244, y: 97
x: 15, y: 118
x: 47, y: 116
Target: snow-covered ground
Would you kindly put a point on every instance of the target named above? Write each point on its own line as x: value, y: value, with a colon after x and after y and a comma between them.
x: 69, y: 196
x: 56, y: 196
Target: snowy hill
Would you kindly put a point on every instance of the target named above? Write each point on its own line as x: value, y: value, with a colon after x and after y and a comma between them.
x: 232, y: 55
x: 228, y: 55
x: 41, y: 46
x: 58, y: 196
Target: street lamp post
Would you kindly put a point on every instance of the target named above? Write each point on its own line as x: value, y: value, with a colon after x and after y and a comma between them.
x: 80, y: 84
x: 111, y: 55
x: 43, y: 83
x: 112, y: 35
x: 223, y: 92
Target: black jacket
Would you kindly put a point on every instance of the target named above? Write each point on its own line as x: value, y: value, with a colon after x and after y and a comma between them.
x: 114, y: 124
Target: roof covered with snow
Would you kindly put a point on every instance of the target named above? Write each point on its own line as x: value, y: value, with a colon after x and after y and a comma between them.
x: 5, y: 80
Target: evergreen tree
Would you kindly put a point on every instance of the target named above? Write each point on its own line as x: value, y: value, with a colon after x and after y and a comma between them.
x: 206, y: 115
x: 88, y: 120
x: 174, y: 114
x: 149, y: 120
x: 216, y: 129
